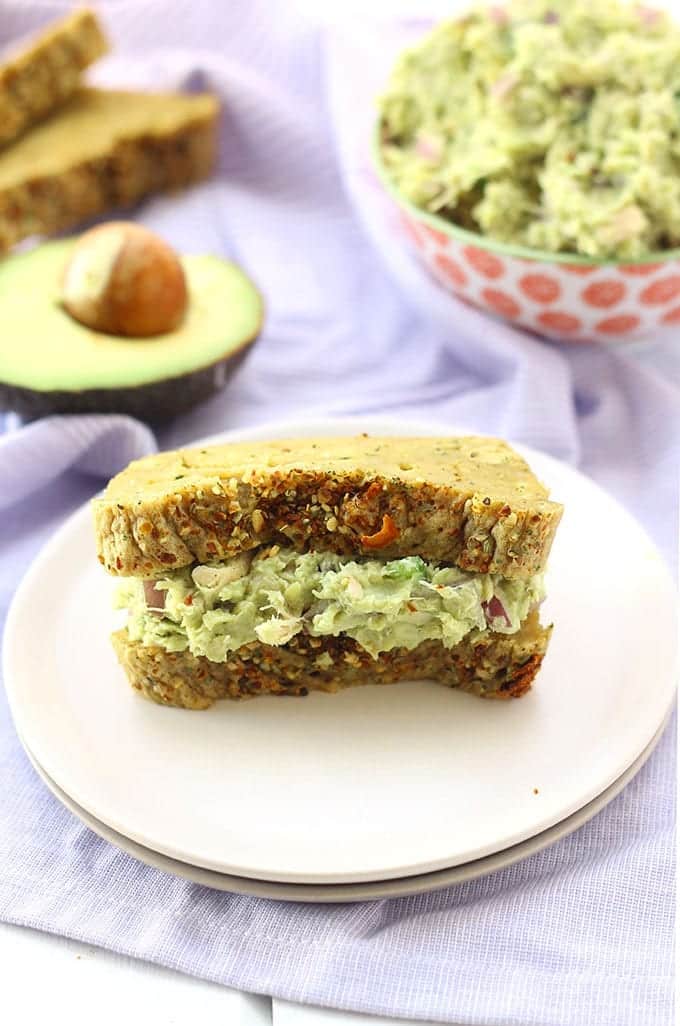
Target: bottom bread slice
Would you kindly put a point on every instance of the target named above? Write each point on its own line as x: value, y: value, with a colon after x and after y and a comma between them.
x: 488, y: 664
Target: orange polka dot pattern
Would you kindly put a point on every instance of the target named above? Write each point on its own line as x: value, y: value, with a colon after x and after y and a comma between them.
x: 540, y: 288
x: 488, y: 265
x: 619, y: 324
x: 501, y: 303
x: 570, y: 302
x: 559, y: 322
x: 603, y: 294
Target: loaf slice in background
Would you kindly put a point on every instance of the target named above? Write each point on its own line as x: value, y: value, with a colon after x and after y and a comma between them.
x: 103, y: 150
x: 46, y: 71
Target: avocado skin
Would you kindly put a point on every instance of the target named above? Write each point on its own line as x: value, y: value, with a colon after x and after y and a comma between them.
x: 153, y: 402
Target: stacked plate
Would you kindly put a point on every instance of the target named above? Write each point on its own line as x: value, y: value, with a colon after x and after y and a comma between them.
x: 373, y: 792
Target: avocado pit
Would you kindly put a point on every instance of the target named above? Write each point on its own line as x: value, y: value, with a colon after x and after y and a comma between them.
x: 123, y: 279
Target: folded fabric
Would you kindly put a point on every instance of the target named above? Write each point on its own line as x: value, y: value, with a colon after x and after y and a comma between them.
x: 35, y: 455
x: 580, y: 933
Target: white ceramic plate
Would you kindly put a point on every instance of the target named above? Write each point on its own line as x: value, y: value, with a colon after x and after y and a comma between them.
x: 372, y: 890
x: 373, y: 783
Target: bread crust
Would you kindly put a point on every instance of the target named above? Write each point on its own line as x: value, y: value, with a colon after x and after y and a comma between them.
x: 129, y: 159
x: 468, y: 501
x: 487, y: 664
x: 47, y: 71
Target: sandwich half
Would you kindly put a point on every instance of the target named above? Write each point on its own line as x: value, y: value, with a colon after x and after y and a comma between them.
x: 319, y: 564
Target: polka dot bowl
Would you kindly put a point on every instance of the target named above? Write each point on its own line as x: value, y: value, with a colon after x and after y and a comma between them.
x: 558, y: 296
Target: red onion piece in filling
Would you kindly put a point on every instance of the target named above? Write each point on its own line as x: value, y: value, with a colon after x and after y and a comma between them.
x: 648, y: 15
x: 155, y: 599
x: 495, y: 610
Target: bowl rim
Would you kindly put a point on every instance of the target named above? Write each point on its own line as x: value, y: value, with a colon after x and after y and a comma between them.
x: 495, y: 245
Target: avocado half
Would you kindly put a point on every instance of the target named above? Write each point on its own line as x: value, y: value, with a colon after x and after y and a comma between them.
x: 49, y: 363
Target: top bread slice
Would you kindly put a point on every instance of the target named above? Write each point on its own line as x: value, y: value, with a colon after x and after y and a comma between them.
x: 468, y: 501
x: 47, y: 70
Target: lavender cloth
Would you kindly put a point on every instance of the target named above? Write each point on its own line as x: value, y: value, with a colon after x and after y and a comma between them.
x: 581, y: 933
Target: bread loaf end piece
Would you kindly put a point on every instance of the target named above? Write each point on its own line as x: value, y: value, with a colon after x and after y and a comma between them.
x: 47, y: 71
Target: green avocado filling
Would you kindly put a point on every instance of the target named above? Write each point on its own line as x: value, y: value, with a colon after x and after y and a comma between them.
x: 545, y: 124
x: 273, y: 595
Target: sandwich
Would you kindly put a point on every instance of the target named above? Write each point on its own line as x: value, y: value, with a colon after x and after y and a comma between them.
x: 319, y: 564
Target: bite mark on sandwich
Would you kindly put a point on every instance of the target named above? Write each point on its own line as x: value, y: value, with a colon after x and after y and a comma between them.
x: 286, y: 566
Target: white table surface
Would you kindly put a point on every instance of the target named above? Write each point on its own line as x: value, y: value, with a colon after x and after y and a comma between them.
x: 45, y: 975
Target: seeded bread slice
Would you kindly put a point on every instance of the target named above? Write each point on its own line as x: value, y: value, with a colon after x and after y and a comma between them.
x: 468, y: 501
x: 489, y: 665
x: 47, y: 71
x: 101, y: 151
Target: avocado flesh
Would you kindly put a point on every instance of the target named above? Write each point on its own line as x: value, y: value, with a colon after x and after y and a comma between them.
x: 45, y: 353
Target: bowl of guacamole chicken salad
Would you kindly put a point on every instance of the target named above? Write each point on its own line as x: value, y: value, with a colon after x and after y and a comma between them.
x: 533, y: 151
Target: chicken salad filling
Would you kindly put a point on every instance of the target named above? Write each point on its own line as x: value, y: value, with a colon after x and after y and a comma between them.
x: 274, y: 593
